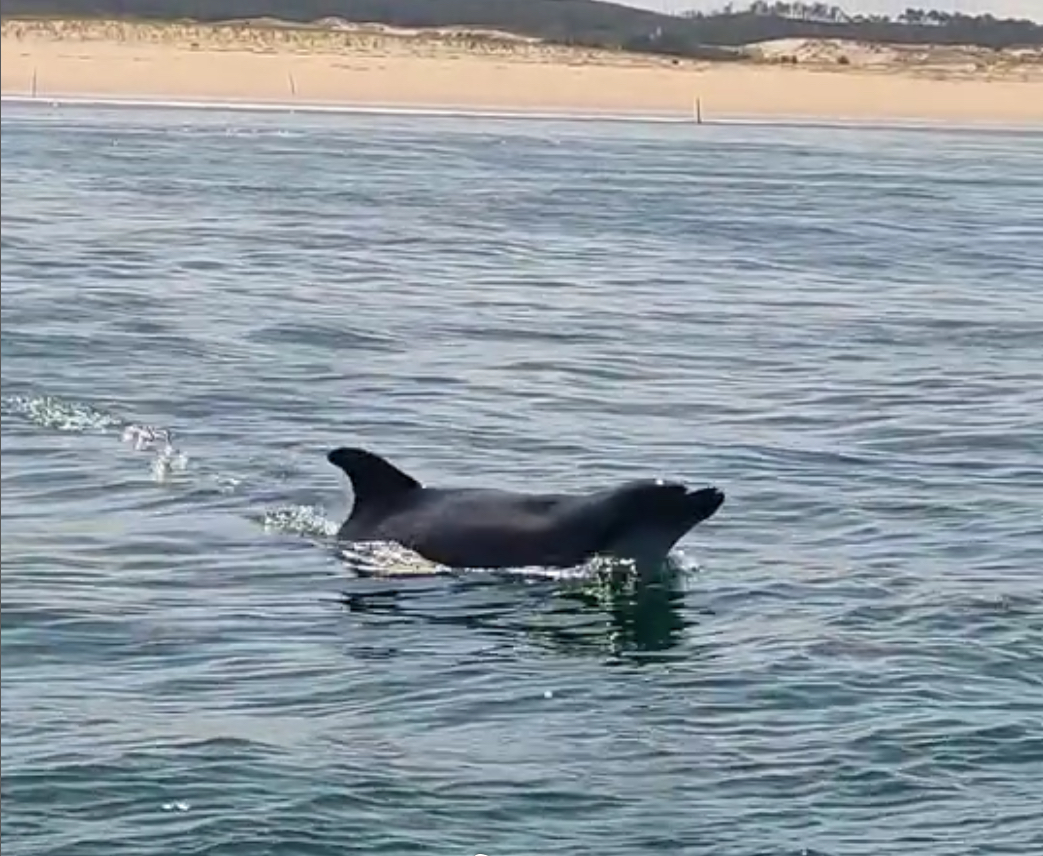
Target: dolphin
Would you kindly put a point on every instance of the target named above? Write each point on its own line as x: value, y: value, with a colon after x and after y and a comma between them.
x: 487, y: 528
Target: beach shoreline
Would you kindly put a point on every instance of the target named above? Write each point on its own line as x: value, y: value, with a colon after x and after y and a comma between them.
x: 379, y: 68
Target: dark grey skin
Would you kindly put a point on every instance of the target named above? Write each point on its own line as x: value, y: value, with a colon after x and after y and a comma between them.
x: 488, y: 528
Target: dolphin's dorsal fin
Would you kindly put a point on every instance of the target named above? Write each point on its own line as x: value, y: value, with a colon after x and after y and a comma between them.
x: 372, y: 478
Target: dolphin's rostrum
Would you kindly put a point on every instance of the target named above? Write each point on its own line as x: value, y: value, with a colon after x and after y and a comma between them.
x: 489, y: 528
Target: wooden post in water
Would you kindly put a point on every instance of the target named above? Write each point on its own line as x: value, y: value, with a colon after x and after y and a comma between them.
x: 698, y: 111
x: 32, y: 85
x: 293, y: 84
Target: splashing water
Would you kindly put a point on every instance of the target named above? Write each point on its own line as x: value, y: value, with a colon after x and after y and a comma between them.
x: 50, y: 412
x: 307, y: 521
x: 167, y: 460
x: 57, y: 414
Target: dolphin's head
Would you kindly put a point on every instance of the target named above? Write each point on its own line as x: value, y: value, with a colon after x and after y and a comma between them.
x: 651, y: 516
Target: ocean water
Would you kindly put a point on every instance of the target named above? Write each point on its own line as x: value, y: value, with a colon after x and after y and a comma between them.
x: 840, y: 327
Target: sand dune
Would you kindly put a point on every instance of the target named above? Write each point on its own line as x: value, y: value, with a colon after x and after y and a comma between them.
x: 943, y: 62
x: 337, y: 62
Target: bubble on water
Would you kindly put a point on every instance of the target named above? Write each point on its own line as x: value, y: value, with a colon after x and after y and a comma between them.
x: 176, y: 806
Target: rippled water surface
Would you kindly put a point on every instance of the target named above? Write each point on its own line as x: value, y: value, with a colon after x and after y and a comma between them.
x: 841, y: 328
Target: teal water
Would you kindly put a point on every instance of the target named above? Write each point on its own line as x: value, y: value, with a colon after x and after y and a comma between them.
x: 842, y: 328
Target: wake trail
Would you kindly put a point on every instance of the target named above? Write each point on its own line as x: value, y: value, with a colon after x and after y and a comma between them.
x: 167, y: 462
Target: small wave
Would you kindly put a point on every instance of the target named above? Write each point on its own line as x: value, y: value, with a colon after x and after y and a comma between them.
x: 331, y: 108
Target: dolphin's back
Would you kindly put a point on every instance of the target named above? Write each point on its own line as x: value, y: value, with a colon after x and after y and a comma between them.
x: 492, y: 528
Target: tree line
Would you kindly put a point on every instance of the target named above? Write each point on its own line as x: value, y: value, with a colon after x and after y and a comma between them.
x: 590, y: 23
x: 762, y: 20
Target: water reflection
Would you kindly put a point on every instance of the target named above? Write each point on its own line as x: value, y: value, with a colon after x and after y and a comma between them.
x: 615, y: 615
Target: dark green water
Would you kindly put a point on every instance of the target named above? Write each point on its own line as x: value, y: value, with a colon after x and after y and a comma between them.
x: 842, y: 328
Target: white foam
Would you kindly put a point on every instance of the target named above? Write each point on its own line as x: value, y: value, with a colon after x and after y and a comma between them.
x: 677, y: 118
x: 339, y: 108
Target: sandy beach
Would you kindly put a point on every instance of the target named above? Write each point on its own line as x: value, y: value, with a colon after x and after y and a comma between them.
x: 336, y: 63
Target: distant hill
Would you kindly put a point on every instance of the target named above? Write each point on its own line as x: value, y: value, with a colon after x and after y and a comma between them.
x: 581, y: 22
